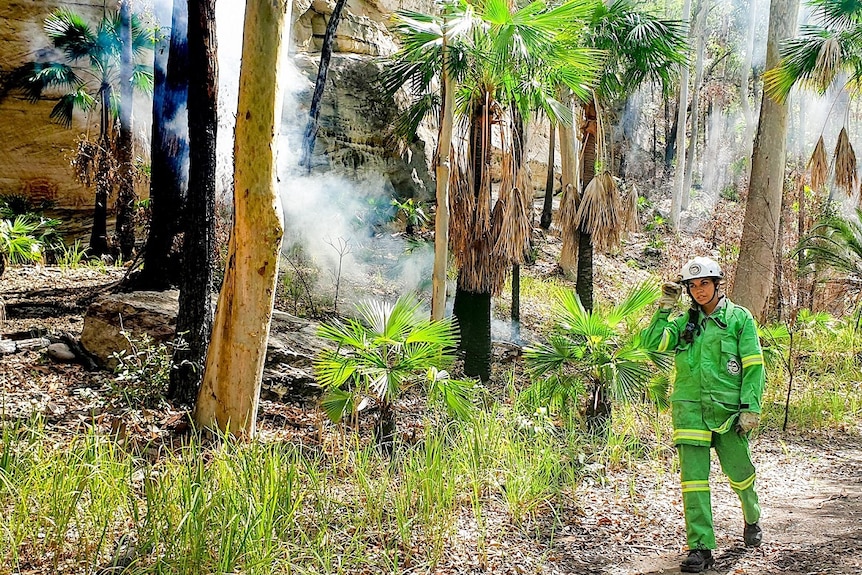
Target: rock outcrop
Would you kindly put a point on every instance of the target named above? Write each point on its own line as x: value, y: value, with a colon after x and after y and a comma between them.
x: 292, y: 346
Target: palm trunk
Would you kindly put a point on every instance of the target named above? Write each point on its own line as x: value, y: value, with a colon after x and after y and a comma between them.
x: 99, y: 233
x: 126, y: 197
x: 548, y: 205
x: 515, y: 312
x: 584, y: 285
x: 195, y: 316
x: 473, y: 312
x: 472, y: 307
x: 310, y: 135
x: 569, y: 184
x: 230, y: 390
x: 756, y: 266
x: 170, y: 153
x: 385, y: 428
x: 599, y: 409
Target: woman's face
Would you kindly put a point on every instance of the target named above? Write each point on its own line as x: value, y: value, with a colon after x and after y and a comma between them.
x: 702, y: 290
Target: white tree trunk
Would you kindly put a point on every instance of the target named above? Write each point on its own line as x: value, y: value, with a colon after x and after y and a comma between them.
x: 695, y: 106
x: 441, y: 221
x: 230, y: 390
x: 676, y: 199
x: 756, y: 266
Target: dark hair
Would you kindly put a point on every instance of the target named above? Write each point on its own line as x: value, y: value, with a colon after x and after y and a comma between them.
x: 692, y: 328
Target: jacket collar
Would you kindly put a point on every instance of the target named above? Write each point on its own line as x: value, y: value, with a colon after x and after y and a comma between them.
x: 719, y: 314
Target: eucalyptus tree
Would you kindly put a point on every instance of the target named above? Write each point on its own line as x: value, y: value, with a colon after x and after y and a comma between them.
x: 504, y: 63
x: 87, y: 88
x: 640, y: 47
x: 229, y: 393
x: 755, y: 268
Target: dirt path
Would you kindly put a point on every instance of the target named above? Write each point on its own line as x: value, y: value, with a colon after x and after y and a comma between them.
x: 811, y: 494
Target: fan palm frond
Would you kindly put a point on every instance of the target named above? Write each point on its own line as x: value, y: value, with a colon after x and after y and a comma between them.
x: 834, y: 242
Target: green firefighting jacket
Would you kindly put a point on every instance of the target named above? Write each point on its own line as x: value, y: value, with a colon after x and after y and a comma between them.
x: 721, y: 371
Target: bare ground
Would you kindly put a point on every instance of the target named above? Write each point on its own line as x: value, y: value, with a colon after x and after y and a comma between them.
x: 619, y: 522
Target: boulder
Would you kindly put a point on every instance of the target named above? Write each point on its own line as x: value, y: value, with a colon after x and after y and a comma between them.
x: 137, y: 314
x: 292, y: 346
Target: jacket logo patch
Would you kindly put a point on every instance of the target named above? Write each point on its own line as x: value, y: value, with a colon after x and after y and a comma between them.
x: 733, y: 367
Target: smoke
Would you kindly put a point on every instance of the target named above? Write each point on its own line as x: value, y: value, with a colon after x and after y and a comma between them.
x: 338, y: 219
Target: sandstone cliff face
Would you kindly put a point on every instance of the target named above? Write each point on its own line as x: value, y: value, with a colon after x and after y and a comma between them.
x: 35, y: 153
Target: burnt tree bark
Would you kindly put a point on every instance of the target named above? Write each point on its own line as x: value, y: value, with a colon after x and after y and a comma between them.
x: 548, y: 205
x: 170, y: 152
x: 126, y: 197
x: 195, y: 317
x: 310, y: 135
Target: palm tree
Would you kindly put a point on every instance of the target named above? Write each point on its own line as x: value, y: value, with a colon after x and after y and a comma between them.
x: 388, y: 349
x: 89, y: 88
x: 640, y: 47
x: 503, y: 64
x: 834, y: 242
x: 826, y: 54
x: 595, y: 351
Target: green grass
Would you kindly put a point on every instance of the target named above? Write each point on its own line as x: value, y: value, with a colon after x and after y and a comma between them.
x: 270, y: 507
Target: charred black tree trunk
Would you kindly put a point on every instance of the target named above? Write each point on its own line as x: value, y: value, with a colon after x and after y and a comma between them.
x: 195, y: 317
x: 126, y: 198
x: 310, y: 135
x: 548, y: 205
x: 170, y: 152
x: 385, y: 428
x: 99, y: 233
x: 473, y: 311
x: 516, y: 303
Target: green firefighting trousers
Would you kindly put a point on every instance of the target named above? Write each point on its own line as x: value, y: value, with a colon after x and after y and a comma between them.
x: 735, y: 457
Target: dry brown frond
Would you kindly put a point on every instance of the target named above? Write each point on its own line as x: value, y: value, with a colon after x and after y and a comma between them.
x: 462, y: 204
x: 599, y: 212
x: 845, y: 164
x: 513, y: 234
x: 828, y: 63
x: 818, y: 166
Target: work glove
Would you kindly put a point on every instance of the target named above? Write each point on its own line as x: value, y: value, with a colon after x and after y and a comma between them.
x: 747, y: 421
x: 670, y: 292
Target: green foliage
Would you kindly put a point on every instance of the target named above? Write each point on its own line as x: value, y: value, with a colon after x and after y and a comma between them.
x: 100, y: 47
x: 412, y: 212
x: 143, y: 371
x: 730, y: 193
x: 517, y: 57
x: 18, y: 241
x: 834, y: 242
x: 70, y: 257
x: 388, y: 349
x: 595, y: 349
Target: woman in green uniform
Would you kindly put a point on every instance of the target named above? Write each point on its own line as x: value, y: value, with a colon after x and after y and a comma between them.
x: 715, y: 400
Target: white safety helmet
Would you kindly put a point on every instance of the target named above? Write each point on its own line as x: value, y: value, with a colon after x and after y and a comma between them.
x: 701, y: 267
